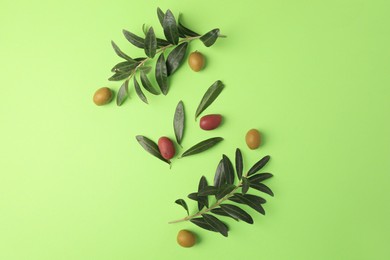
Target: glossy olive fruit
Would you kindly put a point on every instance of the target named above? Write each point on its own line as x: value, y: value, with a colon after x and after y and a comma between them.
x: 210, y: 122
x: 253, y: 139
x: 186, y: 238
x: 102, y: 96
x: 166, y: 147
x: 196, y: 61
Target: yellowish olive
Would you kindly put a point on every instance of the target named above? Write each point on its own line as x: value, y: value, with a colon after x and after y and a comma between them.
x: 196, y: 61
x: 186, y: 238
x: 102, y: 96
x: 253, y: 139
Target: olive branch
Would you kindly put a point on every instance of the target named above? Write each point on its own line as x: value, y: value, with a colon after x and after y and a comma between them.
x: 224, y: 190
x: 176, y: 35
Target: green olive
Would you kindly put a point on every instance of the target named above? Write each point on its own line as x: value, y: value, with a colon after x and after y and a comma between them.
x: 186, y: 238
x: 102, y: 96
x: 253, y: 139
x: 196, y: 61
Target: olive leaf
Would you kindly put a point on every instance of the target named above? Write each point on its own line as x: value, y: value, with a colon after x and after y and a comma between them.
x: 228, y: 168
x: 147, y: 84
x: 261, y: 187
x: 182, y: 203
x: 209, y: 38
x: 202, y: 200
x: 151, y: 147
x: 119, y: 52
x: 224, y: 190
x: 139, y: 91
x: 259, y: 165
x: 161, y: 74
x: 208, y: 190
x: 125, y: 66
x: 200, y: 222
x: 216, y: 224
x: 249, y: 200
x: 202, y: 146
x: 134, y: 39
x: 221, y: 212
x: 208, y: 98
x: 145, y: 29
x: 237, y: 212
x: 176, y: 57
x: 184, y: 30
x: 170, y: 28
x: 260, y: 177
x: 162, y: 43
x: 245, y: 185
x: 219, y: 177
x: 145, y: 69
x: 122, y: 93
x: 120, y: 75
x: 150, y: 43
x: 239, y: 163
x: 160, y: 15
x: 179, y: 121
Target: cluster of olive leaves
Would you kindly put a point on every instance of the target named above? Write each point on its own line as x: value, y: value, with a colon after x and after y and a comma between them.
x: 224, y: 190
x: 176, y: 35
x: 178, y: 126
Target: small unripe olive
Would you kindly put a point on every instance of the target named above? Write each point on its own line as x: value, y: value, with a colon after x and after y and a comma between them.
x: 186, y: 238
x: 196, y: 61
x: 253, y: 139
x: 102, y: 96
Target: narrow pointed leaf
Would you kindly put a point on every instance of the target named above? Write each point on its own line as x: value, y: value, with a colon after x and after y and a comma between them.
x: 184, y: 30
x: 208, y: 98
x: 176, y: 57
x: 162, y: 43
x: 178, y: 122
x: 263, y: 188
x: 134, y: 39
x: 122, y: 93
x: 237, y: 212
x: 260, y: 177
x: 160, y: 15
x: 250, y: 200
x: 170, y: 28
x: 219, y: 177
x: 209, y: 38
x: 119, y: 75
x: 151, y: 147
x: 193, y: 196
x: 203, y: 200
x: 139, y: 91
x: 208, y: 190
x: 221, y: 212
x: 145, y: 69
x: 229, y: 171
x: 239, y: 163
x: 202, y: 146
x: 224, y: 190
x: 145, y: 29
x: 245, y: 185
x: 119, y: 52
x: 147, y: 84
x: 259, y: 165
x: 125, y: 66
x: 150, y: 43
x: 182, y: 203
x: 216, y: 224
x: 161, y: 74
x: 200, y: 222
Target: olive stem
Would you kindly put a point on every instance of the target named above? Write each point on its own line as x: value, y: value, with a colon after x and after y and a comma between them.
x: 206, y: 210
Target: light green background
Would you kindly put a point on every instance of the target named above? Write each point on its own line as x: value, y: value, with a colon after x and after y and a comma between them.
x: 313, y: 76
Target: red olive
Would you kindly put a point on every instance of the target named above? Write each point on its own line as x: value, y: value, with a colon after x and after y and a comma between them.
x: 166, y: 147
x: 210, y: 122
